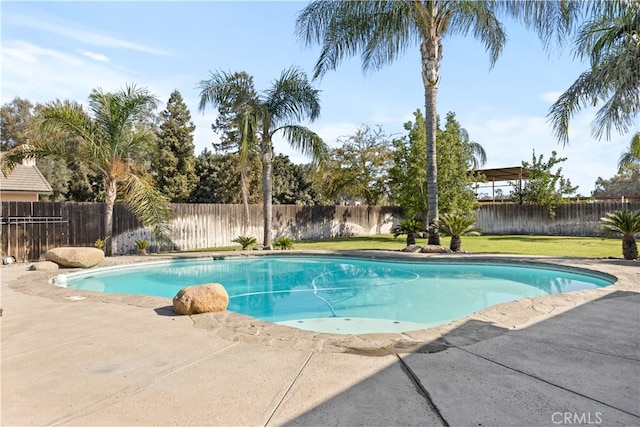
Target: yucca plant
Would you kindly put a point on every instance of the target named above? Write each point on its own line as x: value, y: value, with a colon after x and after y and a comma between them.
x: 457, y: 225
x: 283, y: 242
x: 409, y: 227
x: 245, y: 241
x: 626, y: 223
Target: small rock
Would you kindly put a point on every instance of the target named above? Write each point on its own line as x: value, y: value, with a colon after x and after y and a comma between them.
x: 44, y: 266
x: 211, y: 297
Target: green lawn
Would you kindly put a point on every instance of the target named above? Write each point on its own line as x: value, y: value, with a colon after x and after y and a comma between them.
x: 587, y: 247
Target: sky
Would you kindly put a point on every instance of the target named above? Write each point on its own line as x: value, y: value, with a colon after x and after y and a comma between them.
x: 63, y: 50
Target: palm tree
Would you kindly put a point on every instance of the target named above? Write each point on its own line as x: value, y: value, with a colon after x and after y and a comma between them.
x: 290, y: 99
x: 610, y: 40
x: 383, y: 30
x: 632, y: 155
x: 456, y: 226
x: 107, y: 141
x: 409, y: 227
x: 626, y: 223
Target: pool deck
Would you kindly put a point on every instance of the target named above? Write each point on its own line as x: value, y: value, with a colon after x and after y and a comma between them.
x: 88, y: 359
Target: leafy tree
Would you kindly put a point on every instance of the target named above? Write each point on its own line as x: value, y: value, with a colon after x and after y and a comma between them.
x: 625, y: 183
x: 383, y: 30
x: 609, y: 39
x: 106, y: 140
x: 16, y: 123
x: 626, y: 223
x: 293, y: 184
x: 408, y: 175
x: 358, y: 169
x: 219, y: 179
x: 457, y: 156
x: 174, y: 163
x: 289, y: 100
x: 543, y: 186
x: 70, y: 181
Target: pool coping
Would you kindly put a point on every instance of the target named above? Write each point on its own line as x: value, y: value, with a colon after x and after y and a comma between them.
x: 488, y: 322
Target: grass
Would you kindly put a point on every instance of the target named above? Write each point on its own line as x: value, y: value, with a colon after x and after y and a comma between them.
x: 563, y: 246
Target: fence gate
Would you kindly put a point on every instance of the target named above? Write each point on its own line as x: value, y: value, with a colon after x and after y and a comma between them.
x: 30, y: 229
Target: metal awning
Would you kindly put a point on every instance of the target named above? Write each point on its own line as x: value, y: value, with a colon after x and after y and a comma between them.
x: 504, y: 174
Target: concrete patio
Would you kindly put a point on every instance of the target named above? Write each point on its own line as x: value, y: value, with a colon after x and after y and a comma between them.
x: 121, y: 360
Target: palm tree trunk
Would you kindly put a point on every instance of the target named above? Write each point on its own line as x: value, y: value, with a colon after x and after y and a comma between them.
x: 245, y: 196
x: 629, y: 247
x: 109, y: 200
x: 267, y: 192
x: 431, y: 55
x: 456, y: 243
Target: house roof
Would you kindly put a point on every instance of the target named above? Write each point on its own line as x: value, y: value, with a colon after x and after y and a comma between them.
x: 25, y: 179
x: 504, y: 174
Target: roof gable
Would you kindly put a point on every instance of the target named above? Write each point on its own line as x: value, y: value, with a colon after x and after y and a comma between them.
x: 26, y: 179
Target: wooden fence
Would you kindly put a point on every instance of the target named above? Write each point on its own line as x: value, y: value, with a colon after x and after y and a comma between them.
x: 572, y: 219
x: 29, y: 229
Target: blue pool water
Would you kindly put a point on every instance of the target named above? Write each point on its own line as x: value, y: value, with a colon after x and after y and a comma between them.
x: 345, y: 295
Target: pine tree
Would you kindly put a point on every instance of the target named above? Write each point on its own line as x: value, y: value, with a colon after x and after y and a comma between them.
x: 174, y: 164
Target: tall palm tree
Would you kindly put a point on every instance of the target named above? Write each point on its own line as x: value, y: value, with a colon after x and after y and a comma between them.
x: 627, y: 224
x: 289, y: 100
x: 383, y: 30
x: 632, y: 155
x: 609, y: 39
x: 106, y: 140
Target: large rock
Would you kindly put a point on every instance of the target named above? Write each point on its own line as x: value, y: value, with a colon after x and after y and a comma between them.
x: 206, y: 298
x: 435, y: 249
x: 75, y: 256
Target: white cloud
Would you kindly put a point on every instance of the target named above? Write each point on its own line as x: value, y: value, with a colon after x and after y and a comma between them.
x: 76, y: 33
x: 550, y: 97
x: 95, y: 56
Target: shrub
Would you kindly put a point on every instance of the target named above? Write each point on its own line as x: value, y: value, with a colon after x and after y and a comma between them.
x: 283, y: 242
x: 245, y: 241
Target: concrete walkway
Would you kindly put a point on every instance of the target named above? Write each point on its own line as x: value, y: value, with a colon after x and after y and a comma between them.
x: 90, y: 363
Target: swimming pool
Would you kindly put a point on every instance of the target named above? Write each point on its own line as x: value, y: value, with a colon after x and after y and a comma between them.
x: 346, y: 295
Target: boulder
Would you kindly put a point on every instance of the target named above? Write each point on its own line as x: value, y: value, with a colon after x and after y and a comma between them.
x: 435, y: 249
x: 210, y: 297
x: 75, y: 256
x: 44, y: 266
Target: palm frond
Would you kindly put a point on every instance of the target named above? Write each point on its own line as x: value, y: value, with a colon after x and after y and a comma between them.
x: 149, y: 205
x: 632, y: 155
x: 478, y: 18
x: 380, y: 30
x: 453, y: 224
x: 306, y: 141
x: 291, y: 98
x: 623, y: 222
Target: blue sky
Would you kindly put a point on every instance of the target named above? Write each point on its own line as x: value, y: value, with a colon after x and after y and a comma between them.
x: 63, y: 50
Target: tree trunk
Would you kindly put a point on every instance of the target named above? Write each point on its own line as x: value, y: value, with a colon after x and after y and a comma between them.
x: 456, y: 243
x: 431, y: 56
x: 109, y: 200
x: 629, y: 247
x: 411, y: 239
x: 245, y: 197
x: 267, y: 192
